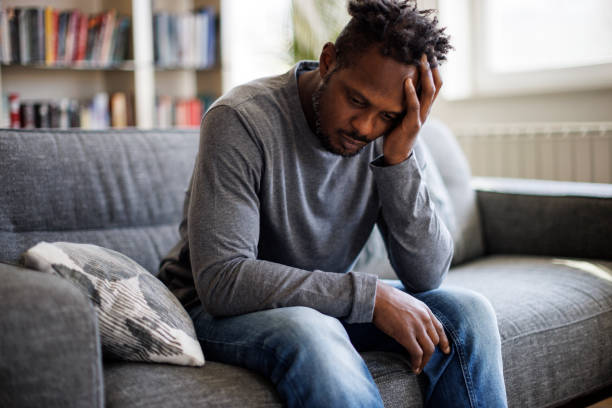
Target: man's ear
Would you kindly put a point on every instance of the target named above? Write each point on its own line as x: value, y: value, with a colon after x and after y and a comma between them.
x: 327, y: 60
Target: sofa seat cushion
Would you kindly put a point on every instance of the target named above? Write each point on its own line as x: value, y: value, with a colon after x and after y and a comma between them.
x: 146, y: 385
x: 220, y: 385
x: 555, y: 321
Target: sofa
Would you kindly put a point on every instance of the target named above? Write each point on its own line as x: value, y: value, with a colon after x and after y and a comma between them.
x: 540, y: 251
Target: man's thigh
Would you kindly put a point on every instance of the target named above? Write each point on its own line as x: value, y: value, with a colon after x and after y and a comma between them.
x: 255, y: 339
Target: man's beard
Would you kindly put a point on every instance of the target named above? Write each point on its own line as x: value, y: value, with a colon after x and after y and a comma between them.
x: 325, y: 138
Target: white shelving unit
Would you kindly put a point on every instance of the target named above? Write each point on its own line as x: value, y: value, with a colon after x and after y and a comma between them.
x: 138, y: 75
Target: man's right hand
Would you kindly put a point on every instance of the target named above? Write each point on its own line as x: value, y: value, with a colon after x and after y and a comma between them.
x: 410, y: 322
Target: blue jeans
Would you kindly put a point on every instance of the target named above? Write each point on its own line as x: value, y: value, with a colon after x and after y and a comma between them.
x: 313, y: 360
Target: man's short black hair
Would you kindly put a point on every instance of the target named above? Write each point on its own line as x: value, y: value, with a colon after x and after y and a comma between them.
x: 397, y: 27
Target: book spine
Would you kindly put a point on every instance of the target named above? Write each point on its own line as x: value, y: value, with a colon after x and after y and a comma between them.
x: 212, y: 38
x: 99, y: 37
x: 118, y: 108
x: 40, y: 31
x: 62, y: 28
x: 92, y: 25
x: 107, y: 38
x: 27, y: 115
x: 81, y: 52
x: 6, y: 40
x: 74, y: 115
x: 156, y: 38
x: 120, y: 52
x: 15, y: 121
x: 31, y: 15
x: 50, y: 35
x: 71, y: 36
x: 24, y: 35
x: 41, y: 115
x: 13, y: 20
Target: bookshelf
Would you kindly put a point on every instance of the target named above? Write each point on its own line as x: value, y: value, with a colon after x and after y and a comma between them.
x: 139, y: 76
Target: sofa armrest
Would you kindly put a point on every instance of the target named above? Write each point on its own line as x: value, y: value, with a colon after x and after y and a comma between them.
x: 49, y: 342
x: 538, y: 217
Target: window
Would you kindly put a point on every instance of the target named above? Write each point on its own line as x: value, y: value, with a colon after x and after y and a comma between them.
x: 527, y: 46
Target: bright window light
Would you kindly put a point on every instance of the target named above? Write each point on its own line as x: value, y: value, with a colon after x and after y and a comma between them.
x: 527, y: 35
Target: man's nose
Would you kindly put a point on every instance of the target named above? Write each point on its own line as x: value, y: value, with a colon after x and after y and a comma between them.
x: 364, y: 124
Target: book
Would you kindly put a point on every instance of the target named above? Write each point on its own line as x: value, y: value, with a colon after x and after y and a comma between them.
x: 15, y: 121
x: 6, y: 39
x: 13, y: 23
x: 38, y: 21
x: 51, y: 17
x: 72, y: 31
x: 81, y: 46
x: 42, y: 118
x: 118, y: 108
x: 23, y: 22
x: 62, y: 28
x: 107, y: 36
x: 93, y: 26
x: 26, y: 110
x: 121, y: 43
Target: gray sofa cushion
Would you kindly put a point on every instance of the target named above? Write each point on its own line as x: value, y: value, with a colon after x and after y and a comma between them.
x: 222, y: 385
x: 555, y: 321
x: 455, y: 172
x: 117, y: 189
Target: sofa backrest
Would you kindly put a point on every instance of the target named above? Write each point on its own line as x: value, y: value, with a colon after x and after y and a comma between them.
x: 454, y: 170
x: 121, y: 189
x: 124, y: 189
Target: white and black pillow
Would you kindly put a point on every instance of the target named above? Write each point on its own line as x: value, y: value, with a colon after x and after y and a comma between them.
x: 139, y: 318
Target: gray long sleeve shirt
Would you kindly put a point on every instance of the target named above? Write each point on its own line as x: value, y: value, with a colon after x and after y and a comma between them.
x: 273, y: 219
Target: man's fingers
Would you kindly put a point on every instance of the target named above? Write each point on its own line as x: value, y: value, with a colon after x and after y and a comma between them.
x: 415, y: 352
x: 413, y: 106
x: 428, y: 348
x: 443, y: 344
x: 428, y: 87
x: 435, y: 72
x: 432, y: 331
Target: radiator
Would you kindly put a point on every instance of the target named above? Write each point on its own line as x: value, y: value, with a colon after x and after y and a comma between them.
x: 550, y: 151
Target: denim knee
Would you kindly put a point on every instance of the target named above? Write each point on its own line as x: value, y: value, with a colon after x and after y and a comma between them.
x: 467, y: 312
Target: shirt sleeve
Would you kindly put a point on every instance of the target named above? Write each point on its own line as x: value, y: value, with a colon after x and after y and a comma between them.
x: 223, y: 231
x: 419, y: 245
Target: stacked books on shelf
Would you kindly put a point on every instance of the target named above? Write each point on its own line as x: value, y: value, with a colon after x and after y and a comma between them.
x: 100, y: 112
x: 47, y: 36
x: 185, y: 40
x: 180, y: 112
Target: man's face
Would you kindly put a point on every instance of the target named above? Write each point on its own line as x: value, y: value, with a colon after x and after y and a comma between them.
x: 357, y: 104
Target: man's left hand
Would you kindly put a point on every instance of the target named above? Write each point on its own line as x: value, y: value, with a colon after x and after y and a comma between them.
x: 398, y: 144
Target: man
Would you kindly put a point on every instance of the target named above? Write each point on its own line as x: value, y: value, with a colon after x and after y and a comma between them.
x: 293, y: 173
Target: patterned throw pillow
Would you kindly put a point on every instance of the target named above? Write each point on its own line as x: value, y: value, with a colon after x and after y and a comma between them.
x: 139, y: 318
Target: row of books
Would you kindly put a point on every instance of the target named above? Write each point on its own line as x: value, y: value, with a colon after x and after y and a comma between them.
x: 44, y: 35
x: 100, y: 112
x: 179, y: 112
x: 186, y: 39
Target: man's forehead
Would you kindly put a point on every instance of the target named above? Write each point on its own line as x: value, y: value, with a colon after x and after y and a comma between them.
x: 380, y: 77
